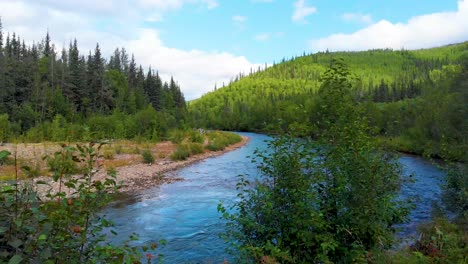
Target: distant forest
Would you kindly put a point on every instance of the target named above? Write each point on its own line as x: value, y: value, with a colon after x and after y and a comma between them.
x: 417, y: 99
x: 81, y: 96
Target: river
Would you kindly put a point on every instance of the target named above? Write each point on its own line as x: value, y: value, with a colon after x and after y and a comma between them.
x: 185, y: 213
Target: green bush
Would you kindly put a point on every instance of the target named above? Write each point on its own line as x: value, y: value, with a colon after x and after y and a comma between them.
x: 214, y: 146
x: 148, y: 157
x: 196, y: 137
x: 195, y: 148
x: 108, y: 154
x: 220, y: 140
x: 181, y: 153
x: 177, y: 136
x: 38, y: 133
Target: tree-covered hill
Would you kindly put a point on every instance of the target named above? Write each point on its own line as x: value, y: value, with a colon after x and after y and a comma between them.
x: 398, y: 87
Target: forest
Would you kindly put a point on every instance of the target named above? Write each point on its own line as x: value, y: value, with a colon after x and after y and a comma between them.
x: 67, y: 95
x: 416, y: 98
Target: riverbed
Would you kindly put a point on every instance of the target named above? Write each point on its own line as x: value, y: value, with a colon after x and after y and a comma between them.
x: 185, y: 212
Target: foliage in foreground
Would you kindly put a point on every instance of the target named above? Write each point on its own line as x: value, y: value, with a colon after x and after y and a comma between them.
x: 56, y: 227
x: 332, y: 200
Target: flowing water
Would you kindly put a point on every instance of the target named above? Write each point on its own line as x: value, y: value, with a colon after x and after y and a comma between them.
x: 185, y: 213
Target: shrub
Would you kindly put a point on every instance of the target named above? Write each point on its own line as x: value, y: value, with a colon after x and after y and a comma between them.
x: 148, y: 157
x: 177, y: 136
x: 220, y: 140
x: 196, y: 137
x: 118, y: 149
x: 108, y: 154
x: 181, y: 153
x: 136, y: 150
x: 214, y: 146
x: 195, y: 148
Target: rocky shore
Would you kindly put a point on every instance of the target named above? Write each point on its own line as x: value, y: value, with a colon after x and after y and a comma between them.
x: 134, y: 176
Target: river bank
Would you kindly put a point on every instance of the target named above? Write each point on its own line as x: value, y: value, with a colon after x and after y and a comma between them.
x: 138, y: 177
x: 131, y: 172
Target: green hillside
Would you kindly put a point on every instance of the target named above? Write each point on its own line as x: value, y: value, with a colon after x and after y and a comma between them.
x: 394, y: 86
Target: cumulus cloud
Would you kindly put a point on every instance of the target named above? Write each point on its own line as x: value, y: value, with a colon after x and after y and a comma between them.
x: 196, y: 71
x: 357, y: 17
x: 301, y: 11
x: 419, y: 32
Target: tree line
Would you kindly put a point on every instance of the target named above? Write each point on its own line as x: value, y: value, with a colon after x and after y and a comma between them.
x: 38, y: 85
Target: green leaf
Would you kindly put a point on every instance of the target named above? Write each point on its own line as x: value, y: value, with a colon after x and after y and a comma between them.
x: 16, y: 259
x: 42, y: 237
x: 4, y: 154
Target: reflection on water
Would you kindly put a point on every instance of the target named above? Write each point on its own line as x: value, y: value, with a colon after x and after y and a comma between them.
x: 185, y: 213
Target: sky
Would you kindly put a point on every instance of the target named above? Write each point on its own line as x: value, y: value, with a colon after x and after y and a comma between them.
x: 206, y: 42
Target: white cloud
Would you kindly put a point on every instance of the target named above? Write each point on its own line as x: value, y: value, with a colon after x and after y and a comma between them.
x: 211, y: 4
x: 301, y: 11
x: 262, y: 37
x: 419, y: 32
x: 357, y: 17
x: 196, y: 71
x: 239, y: 18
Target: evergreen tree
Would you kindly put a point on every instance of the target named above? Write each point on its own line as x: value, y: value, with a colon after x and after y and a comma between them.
x: 114, y: 62
x: 74, y: 86
x: 132, y: 74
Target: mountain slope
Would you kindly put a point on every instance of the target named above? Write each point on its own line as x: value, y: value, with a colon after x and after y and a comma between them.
x: 257, y: 100
x: 419, y: 98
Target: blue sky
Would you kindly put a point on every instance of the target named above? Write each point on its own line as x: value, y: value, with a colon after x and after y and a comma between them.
x: 265, y: 31
x: 203, y: 42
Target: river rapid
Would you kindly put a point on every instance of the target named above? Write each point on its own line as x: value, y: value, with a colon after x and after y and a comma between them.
x: 185, y: 213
